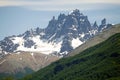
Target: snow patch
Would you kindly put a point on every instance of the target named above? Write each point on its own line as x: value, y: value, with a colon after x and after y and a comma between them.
x: 82, y: 20
x: 76, y: 42
x: 17, y: 40
x: 63, y: 21
x: 63, y: 53
x: 70, y: 12
x: 17, y: 53
x: 32, y: 54
x: 5, y: 53
x: 104, y: 28
x: 70, y: 33
x: 73, y: 28
x: 52, y: 36
x: 93, y: 32
x: 82, y: 35
x: 41, y: 46
x: 42, y: 33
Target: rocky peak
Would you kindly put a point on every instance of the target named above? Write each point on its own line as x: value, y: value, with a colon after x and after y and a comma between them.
x: 53, y: 18
x: 103, y: 22
x: 62, y: 34
x: 103, y: 25
x: 7, y: 44
x: 76, y: 12
x: 61, y: 18
x: 52, y: 22
x: 28, y: 33
x: 95, y: 25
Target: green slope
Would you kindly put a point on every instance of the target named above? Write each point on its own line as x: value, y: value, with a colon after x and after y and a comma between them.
x: 101, y: 62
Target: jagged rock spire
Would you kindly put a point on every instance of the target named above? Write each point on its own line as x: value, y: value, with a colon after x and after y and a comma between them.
x: 103, y: 22
x: 95, y: 25
x: 65, y: 31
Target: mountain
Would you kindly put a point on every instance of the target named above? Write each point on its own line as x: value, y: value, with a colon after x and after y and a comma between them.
x: 61, y: 36
x: 102, y: 36
x: 100, y: 62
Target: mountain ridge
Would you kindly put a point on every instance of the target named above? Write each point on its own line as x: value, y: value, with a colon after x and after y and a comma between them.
x: 58, y: 38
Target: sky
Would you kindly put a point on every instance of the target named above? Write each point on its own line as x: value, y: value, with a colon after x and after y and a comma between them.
x: 17, y: 16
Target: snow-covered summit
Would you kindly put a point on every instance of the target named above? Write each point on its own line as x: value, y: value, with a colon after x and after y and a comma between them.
x: 61, y: 36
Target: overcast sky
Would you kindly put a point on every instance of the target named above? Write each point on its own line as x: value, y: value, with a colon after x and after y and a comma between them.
x: 16, y: 16
x: 55, y: 4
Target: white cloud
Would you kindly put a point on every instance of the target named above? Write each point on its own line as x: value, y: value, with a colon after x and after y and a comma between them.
x: 55, y: 4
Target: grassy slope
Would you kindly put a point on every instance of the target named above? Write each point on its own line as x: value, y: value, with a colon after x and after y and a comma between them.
x: 101, y: 62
